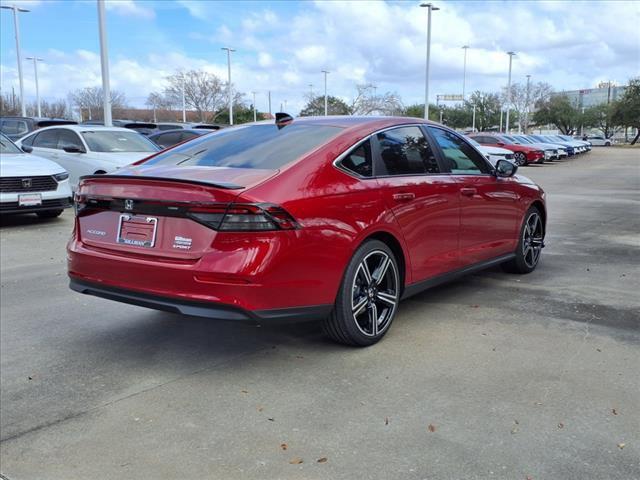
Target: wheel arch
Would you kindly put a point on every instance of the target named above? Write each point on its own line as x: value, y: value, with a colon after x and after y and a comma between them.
x: 543, y: 211
x: 394, y: 244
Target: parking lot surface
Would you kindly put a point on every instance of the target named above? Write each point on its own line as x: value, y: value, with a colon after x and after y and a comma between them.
x: 493, y: 376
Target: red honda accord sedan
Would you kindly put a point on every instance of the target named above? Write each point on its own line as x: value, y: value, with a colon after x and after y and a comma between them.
x: 333, y: 218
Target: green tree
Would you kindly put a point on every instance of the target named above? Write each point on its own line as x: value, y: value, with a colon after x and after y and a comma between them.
x: 627, y: 111
x: 315, y: 107
x: 459, y: 116
x: 487, y: 109
x: 603, y: 117
x: 417, y: 110
x: 559, y: 112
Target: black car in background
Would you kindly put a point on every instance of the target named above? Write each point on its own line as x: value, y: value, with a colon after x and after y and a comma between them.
x: 187, y: 126
x: 145, y: 128
x: 17, y: 127
x: 168, y: 138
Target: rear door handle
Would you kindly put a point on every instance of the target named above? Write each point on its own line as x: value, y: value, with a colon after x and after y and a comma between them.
x: 468, y: 191
x: 404, y: 197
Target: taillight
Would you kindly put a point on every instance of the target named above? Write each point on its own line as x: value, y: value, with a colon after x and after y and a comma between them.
x: 244, y: 218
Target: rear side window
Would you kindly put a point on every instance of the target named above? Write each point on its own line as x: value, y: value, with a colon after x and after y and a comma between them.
x: 459, y: 156
x: 168, y: 139
x: 405, y: 151
x: 14, y: 127
x: 47, y: 139
x: 251, y: 146
x: 359, y: 160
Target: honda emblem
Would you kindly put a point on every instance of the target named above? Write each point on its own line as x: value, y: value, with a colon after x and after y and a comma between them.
x: 128, y: 204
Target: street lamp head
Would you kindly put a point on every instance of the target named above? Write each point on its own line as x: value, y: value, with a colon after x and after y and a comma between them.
x: 465, y: 46
x: 511, y: 53
x: 429, y: 6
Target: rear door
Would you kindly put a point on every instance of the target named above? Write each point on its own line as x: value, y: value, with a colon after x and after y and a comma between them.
x: 489, y: 213
x: 425, y: 201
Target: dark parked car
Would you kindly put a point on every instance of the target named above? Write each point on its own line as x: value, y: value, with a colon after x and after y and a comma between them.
x: 145, y: 128
x: 18, y: 127
x: 169, y: 138
x: 187, y: 126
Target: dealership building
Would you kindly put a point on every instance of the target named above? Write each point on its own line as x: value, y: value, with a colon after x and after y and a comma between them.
x: 591, y: 97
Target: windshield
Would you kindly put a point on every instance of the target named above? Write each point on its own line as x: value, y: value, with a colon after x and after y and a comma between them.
x: 116, y: 141
x: 7, y: 146
x: 523, y: 139
x: 473, y: 142
x: 251, y: 146
x: 511, y: 139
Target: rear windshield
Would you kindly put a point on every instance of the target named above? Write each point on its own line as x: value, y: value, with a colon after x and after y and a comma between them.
x: 251, y: 146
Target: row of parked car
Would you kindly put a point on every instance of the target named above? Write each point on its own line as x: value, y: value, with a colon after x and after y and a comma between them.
x: 68, y: 150
x: 528, y: 149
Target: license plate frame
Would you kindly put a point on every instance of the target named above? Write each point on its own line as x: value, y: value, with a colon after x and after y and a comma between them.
x: 30, y: 200
x: 147, y: 242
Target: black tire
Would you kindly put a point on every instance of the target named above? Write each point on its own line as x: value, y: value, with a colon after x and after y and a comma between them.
x: 520, y: 158
x: 378, y: 297
x: 50, y: 213
x: 530, y: 244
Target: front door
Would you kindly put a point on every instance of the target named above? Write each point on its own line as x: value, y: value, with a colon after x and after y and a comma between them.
x: 489, y: 213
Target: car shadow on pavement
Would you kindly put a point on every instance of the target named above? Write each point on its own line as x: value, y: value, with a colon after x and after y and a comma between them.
x: 26, y: 219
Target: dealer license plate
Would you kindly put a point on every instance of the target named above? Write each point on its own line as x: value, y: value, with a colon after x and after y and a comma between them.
x: 137, y: 230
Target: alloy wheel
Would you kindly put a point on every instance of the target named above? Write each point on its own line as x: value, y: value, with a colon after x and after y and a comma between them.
x: 375, y: 293
x: 532, y: 240
x: 520, y: 158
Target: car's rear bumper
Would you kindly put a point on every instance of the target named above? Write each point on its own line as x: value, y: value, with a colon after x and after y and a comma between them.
x: 213, y: 310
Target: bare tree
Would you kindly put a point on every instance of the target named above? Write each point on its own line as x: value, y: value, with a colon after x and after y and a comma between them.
x: 203, y: 92
x: 366, y: 102
x: 523, y: 100
x: 56, y: 109
x: 90, y: 102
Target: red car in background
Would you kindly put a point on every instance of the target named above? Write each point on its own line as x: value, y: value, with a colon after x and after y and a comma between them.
x: 333, y: 218
x: 522, y: 154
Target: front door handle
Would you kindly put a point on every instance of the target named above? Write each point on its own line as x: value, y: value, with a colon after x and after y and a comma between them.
x: 404, y: 197
x: 468, y: 191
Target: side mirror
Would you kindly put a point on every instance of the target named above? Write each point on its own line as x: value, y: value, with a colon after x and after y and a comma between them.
x: 27, y: 149
x: 504, y: 168
x: 74, y: 149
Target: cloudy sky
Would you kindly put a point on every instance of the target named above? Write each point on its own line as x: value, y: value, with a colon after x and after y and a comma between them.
x: 283, y: 46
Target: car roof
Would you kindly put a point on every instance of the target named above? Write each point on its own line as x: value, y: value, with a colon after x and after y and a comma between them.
x: 87, y: 128
x: 199, y: 131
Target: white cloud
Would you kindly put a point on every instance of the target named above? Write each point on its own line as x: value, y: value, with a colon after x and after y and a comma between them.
x: 130, y: 8
x: 380, y: 42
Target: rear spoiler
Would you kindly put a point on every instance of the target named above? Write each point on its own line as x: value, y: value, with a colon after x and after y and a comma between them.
x: 222, y: 185
x: 50, y: 123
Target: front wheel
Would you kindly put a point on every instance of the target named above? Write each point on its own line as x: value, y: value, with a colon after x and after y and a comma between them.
x: 368, y: 297
x: 530, y: 244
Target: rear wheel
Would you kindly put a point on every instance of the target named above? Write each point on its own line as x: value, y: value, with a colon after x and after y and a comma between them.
x: 530, y: 244
x: 520, y: 159
x: 50, y: 213
x: 368, y: 297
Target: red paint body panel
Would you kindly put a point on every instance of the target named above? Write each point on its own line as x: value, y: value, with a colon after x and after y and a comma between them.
x: 439, y: 230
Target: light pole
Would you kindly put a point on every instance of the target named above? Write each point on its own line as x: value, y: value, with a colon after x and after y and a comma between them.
x: 255, y: 113
x: 311, y: 91
x: 184, y: 100
x: 526, y: 117
x: 229, y: 50
x: 511, y: 55
x: 326, y: 103
x: 464, y: 71
x: 35, y: 71
x: 269, y: 95
x: 16, y: 27
x: 473, y: 120
x: 104, y: 63
x: 429, y: 8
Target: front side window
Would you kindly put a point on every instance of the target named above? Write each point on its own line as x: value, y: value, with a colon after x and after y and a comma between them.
x: 67, y: 139
x: 359, y: 161
x: 47, y: 139
x: 14, y: 127
x: 116, y: 141
x: 405, y: 151
x: 459, y: 156
x: 251, y: 146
